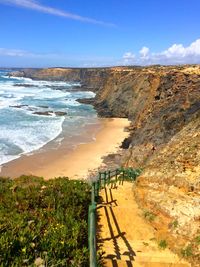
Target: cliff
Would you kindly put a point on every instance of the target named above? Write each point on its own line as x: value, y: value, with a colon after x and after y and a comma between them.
x: 159, y: 101
x: 163, y: 104
x: 90, y: 78
x: 169, y: 189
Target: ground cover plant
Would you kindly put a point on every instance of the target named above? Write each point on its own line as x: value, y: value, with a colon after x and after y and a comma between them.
x: 43, y: 223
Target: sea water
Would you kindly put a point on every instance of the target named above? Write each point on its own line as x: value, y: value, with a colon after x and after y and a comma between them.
x: 22, y: 130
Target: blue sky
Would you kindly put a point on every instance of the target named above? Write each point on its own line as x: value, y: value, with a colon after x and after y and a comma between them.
x: 98, y: 32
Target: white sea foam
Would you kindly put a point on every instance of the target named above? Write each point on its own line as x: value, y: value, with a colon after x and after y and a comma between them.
x: 50, y: 94
x: 28, y: 138
x: 41, y: 83
x: 22, y: 131
x: 19, y: 78
x: 89, y: 94
x: 71, y: 102
x: 7, y: 102
x: 6, y: 158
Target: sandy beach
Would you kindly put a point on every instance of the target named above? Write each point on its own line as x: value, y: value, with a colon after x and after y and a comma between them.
x: 65, y: 160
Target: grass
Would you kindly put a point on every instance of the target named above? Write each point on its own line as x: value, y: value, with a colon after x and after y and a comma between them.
x: 43, y: 221
x: 197, y: 240
x: 174, y: 224
x: 162, y: 244
x: 191, y: 251
x: 150, y: 216
x: 187, y: 252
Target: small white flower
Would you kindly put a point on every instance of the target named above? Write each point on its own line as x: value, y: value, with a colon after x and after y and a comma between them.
x: 39, y: 262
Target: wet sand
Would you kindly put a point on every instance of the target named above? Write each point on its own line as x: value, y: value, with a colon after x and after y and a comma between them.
x: 69, y: 159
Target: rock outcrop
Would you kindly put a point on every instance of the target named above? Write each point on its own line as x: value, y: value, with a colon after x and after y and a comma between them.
x: 169, y: 188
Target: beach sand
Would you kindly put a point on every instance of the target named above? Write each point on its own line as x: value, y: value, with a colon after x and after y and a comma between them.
x: 75, y: 163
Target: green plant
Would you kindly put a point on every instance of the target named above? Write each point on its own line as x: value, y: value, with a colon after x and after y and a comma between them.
x: 150, y: 216
x: 162, y: 244
x: 136, y: 159
x: 44, y: 220
x: 187, y: 252
x: 197, y: 240
x: 152, y: 239
x: 174, y: 224
x: 100, y: 260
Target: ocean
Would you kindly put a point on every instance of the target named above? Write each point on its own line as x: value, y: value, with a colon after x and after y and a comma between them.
x: 33, y: 113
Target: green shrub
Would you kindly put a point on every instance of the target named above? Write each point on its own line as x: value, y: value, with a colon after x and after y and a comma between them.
x: 197, y: 240
x: 174, y: 224
x: 43, y: 219
x: 187, y: 252
x: 162, y: 244
x: 150, y: 216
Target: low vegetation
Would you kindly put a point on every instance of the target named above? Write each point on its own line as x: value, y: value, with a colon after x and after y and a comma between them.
x: 150, y: 216
x: 192, y: 251
x: 162, y: 244
x: 197, y: 240
x: 174, y: 224
x: 43, y: 223
x: 187, y: 252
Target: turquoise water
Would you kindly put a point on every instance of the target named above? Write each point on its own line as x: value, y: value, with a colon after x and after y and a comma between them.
x: 22, y: 131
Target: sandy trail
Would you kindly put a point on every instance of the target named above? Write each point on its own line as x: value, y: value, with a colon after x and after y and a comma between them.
x: 124, y: 235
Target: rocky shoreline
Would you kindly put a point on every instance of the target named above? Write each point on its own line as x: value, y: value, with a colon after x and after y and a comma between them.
x: 163, y: 104
x: 41, y: 112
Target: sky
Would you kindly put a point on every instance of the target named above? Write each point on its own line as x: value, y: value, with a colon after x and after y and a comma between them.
x: 91, y: 33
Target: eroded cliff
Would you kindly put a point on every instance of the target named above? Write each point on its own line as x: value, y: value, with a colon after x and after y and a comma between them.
x: 159, y: 101
x: 163, y: 104
x: 169, y: 190
x: 90, y: 78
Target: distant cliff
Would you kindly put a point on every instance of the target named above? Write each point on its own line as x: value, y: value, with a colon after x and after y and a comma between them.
x: 163, y: 104
x: 90, y: 78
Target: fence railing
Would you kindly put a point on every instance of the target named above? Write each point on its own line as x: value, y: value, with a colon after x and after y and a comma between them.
x: 103, y: 179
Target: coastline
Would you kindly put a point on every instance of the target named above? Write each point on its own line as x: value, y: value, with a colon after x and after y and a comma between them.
x: 77, y: 161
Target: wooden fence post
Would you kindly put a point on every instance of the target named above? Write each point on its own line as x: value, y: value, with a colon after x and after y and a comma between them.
x: 99, y: 180
x: 108, y: 177
x: 92, y: 235
x: 105, y: 174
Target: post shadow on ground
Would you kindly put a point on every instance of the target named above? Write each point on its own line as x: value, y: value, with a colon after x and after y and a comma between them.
x: 108, y: 206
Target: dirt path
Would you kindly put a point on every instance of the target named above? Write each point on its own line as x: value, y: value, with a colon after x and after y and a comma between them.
x: 124, y: 235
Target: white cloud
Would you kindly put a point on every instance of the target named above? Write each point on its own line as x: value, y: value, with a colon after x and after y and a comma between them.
x: 26, y: 54
x: 144, y: 52
x: 128, y: 58
x: 178, y: 50
x: 175, y: 50
x: 12, y: 52
x: 31, y: 4
x: 175, y: 54
x: 128, y: 55
x: 23, y: 58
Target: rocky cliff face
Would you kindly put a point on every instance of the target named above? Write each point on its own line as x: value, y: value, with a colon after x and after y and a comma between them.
x: 169, y: 189
x: 163, y: 104
x: 159, y: 101
x: 91, y: 79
